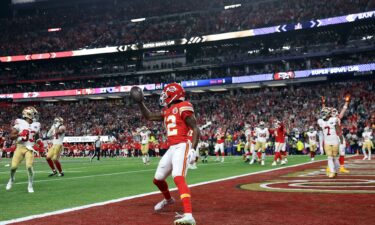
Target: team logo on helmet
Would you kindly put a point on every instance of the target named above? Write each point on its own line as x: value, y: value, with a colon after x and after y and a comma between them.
x: 172, y: 92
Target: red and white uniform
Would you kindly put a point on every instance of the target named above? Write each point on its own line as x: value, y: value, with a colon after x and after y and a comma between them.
x: 220, y: 139
x: 29, y: 132
x: 330, y: 136
x: 280, y: 138
x: 174, y: 160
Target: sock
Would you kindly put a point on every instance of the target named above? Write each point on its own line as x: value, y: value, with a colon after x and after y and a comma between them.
x: 364, y: 152
x: 280, y: 155
x: 276, y: 156
x: 184, y: 193
x: 217, y: 154
x: 50, y: 163
x: 337, y: 164
x: 342, y: 160
x: 13, y: 174
x: 263, y: 156
x: 259, y: 154
x: 254, y: 155
x: 143, y: 159
x: 163, y: 187
x: 369, y: 154
x: 312, y: 154
x: 222, y: 154
x: 30, y: 173
x: 331, y: 164
x: 58, y: 165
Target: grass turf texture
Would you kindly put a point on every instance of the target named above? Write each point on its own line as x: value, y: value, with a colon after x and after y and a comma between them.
x: 111, y: 178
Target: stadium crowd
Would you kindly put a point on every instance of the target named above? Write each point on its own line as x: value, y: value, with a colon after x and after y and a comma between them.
x: 297, y: 106
x: 89, y: 77
x: 108, y: 24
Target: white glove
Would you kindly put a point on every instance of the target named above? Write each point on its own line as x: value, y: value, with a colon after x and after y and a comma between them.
x: 56, y: 125
x: 192, y: 155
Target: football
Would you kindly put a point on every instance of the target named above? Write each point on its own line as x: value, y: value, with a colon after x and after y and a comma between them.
x: 136, y: 94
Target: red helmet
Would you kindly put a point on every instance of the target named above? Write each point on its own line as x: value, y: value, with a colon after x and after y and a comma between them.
x: 172, y: 92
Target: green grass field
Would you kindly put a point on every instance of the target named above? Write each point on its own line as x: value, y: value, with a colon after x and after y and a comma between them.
x: 111, y: 178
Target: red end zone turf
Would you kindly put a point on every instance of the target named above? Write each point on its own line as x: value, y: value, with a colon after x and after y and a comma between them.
x: 226, y: 203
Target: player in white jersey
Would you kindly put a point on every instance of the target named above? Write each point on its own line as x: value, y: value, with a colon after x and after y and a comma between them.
x: 145, y: 138
x: 312, y: 140
x: 262, y: 135
x: 25, y: 131
x: 367, y: 143
x: 330, y: 127
x: 248, y: 135
x: 57, y: 134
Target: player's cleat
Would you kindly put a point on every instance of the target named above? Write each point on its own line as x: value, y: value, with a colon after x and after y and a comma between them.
x: 286, y: 160
x: 278, y: 160
x: 217, y: 160
x: 187, y: 219
x: 163, y: 203
x: 283, y: 162
x: 343, y: 170
x: 52, y: 174
x: 30, y: 188
x: 252, y: 162
x: 331, y: 175
x: 192, y: 166
x: 365, y: 157
x: 9, y: 185
x: 247, y: 160
x: 312, y: 159
x: 262, y: 163
x: 222, y: 160
x: 61, y: 174
x: 274, y: 163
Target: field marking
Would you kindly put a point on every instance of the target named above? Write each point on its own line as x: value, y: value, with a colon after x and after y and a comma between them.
x: 100, y: 175
x: 57, y: 212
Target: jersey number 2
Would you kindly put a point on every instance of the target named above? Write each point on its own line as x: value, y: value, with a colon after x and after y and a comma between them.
x: 171, y: 125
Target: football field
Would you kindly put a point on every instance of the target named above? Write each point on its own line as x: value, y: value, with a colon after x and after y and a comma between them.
x: 110, y: 178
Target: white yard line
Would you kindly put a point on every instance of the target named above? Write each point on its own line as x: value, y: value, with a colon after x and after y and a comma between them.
x: 140, y: 195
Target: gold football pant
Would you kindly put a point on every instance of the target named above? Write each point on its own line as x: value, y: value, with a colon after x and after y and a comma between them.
x: 21, y: 153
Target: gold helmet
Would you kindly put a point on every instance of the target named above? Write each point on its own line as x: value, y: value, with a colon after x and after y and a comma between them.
x: 58, y: 120
x: 325, y: 112
x: 30, y: 113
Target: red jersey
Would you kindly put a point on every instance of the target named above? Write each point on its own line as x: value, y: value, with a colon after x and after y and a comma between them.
x: 220, y: 137
x: 174, y: 121
x: 280, y: 134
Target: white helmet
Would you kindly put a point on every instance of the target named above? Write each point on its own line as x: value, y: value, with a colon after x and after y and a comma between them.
x: 311, y: 128
x: 261, y: 124
x: 29, y: 113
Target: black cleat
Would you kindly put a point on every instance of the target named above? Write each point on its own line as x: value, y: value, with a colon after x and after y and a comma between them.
x: 61, y: 174
x: 247, y: 161
x: 54, y: 173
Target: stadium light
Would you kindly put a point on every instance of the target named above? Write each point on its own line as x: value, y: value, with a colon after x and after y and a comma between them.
x: 138, y: 20
x: 197, y: 91
x: 218, y: 89
x: 251, y: 87
x: 232, y: 6
x: 276, y: 85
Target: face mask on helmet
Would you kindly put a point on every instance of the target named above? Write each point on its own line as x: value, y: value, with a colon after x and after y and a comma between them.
x: 29, y: 113
x: 172, y: 92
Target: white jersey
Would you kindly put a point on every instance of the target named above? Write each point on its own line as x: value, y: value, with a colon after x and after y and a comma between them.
x: 248, y: 135
x: 312, y: 137
x: 145, y: 137
x: 58, y: 139
x: 32, y: 129
x: 262, y: 134
x: 330, y: 136
x: 367, y: 136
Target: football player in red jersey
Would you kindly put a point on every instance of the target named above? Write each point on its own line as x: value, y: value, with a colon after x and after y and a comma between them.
x: 219, y: 146
x: 178, y: 117
x: 280, y: 142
